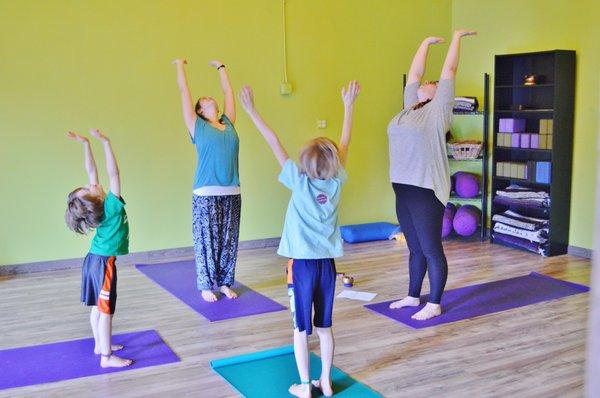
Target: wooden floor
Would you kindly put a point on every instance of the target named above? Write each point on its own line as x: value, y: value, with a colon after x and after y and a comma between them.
x: 534, y: 351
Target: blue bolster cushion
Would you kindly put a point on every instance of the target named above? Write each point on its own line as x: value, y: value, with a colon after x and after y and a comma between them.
x: 368, y: 232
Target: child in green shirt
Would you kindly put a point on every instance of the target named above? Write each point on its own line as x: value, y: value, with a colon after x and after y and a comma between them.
x: 90, y: 208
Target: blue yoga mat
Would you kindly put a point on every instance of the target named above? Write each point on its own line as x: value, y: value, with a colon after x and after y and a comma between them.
x: 270, y: 373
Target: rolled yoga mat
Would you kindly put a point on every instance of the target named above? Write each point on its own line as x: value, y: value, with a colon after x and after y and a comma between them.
x: 486, y: 298
x: 46, y: 363
x: 179, y: 279
x: 270, y: 373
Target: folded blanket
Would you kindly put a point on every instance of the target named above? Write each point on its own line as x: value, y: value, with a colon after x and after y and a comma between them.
x: 539, y: 236
x: 515, y: 219
x: 526, y: 203
x: 470, y: 100
x: 465, y: 104
x: 464, y: 108
x: 520, y: 243
x: 524, y: 194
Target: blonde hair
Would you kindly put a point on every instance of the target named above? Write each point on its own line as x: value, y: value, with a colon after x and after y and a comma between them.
x: 320, y: 159
x: 84, y: 212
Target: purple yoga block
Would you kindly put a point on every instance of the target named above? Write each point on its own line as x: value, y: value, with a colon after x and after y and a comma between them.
x: 512, y: 125
x: 534, y: 141
x: 525, y: 140
x: 515, y: 140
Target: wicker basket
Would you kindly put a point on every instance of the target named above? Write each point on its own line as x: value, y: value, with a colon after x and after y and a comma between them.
x: 464, y: 150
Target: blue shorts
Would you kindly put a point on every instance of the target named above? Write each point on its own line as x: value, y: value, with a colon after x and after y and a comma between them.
x: 311, y: 283
x: 99, y: 282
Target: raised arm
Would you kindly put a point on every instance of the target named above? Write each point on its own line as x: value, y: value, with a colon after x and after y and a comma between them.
x: 229, y: 101
x: 111, y: 163
x: 247, y: 100
x: 417, y: 67
x: 189, y: 115
x: 348, y: 97
x: 451, y: 63
x: 90, y: 163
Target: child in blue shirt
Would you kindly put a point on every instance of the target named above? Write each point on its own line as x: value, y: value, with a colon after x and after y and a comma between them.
x: 311, y: 236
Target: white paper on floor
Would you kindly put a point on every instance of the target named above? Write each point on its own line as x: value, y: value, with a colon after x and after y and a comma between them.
x: 354, y: 295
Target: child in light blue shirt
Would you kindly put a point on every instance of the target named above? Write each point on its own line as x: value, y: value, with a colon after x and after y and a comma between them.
x: 311, y: 229
x: 311, y: 236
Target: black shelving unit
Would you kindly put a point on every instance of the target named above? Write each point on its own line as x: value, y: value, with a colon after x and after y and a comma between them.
x: 482, y: 198
x: 551, y: 98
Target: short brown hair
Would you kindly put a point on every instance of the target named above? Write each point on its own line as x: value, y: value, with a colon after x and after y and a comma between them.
x: 320, y: 159
x: 84, y: 212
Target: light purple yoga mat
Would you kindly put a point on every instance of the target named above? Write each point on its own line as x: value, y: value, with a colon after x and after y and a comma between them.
x: 486, y: 298
x: 179, y: 279
x: 46, y: 363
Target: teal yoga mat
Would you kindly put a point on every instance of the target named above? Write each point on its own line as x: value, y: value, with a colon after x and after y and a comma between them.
x: 270, y: 373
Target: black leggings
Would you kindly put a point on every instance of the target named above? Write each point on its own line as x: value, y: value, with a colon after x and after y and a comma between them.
x: 420, y: 215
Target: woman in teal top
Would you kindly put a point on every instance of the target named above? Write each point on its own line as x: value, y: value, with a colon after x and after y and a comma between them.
x: 216, y: 192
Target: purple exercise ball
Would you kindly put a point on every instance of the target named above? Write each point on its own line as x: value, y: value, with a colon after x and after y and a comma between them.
x: 448, y: 219
x: 466, y: 220
x: 466, y: 185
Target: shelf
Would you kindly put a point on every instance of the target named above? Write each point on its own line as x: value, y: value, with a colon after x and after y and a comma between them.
x: 459, y: 199
x: 477, y: 236
x: 537, y: 212
x: 524, y: 111
x: 467, y: 112
x: 479, y: 159
x: 553, y: 98
x: 521, y: 181
x: 523, y: 150
x: 524, y: 86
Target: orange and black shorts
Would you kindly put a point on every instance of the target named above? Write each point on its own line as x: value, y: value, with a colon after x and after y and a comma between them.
x: 99, y: 282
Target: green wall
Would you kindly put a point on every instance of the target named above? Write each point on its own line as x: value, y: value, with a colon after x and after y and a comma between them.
x: 80, y: 64
x: 512, y: 26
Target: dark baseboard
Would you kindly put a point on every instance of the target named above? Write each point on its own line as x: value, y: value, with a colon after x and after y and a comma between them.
x: 580, y: 252
x: 158, y: 256
x: 153, y: 256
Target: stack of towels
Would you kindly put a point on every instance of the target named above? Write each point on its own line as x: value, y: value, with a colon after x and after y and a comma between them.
x: 515, y: 195
x: 465, y: 104
x: 518, y: 228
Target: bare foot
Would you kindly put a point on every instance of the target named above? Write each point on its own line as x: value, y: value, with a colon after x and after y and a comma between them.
x: 209, y: 296
x: 324, y: 387
x: 300, y: 390
x: 114, y: 347
x: 228, y: 292
x: 113, y: 361
x: 407, y: 301
x: 429, y: 311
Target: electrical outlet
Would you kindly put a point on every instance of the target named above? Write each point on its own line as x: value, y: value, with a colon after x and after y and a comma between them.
x: 321, y: 123
x: 285, y: 88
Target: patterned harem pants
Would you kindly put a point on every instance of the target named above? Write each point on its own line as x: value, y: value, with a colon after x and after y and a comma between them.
x: 215, y: 228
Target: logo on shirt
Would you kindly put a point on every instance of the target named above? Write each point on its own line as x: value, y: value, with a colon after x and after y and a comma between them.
x: 322, y: 198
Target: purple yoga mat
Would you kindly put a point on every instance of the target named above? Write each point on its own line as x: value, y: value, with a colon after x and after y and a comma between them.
x: 46, y: 363
x: 486, y: 298
x: 179, y: 279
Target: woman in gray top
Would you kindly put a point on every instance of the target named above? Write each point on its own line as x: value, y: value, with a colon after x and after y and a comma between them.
x: 419, y: 172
